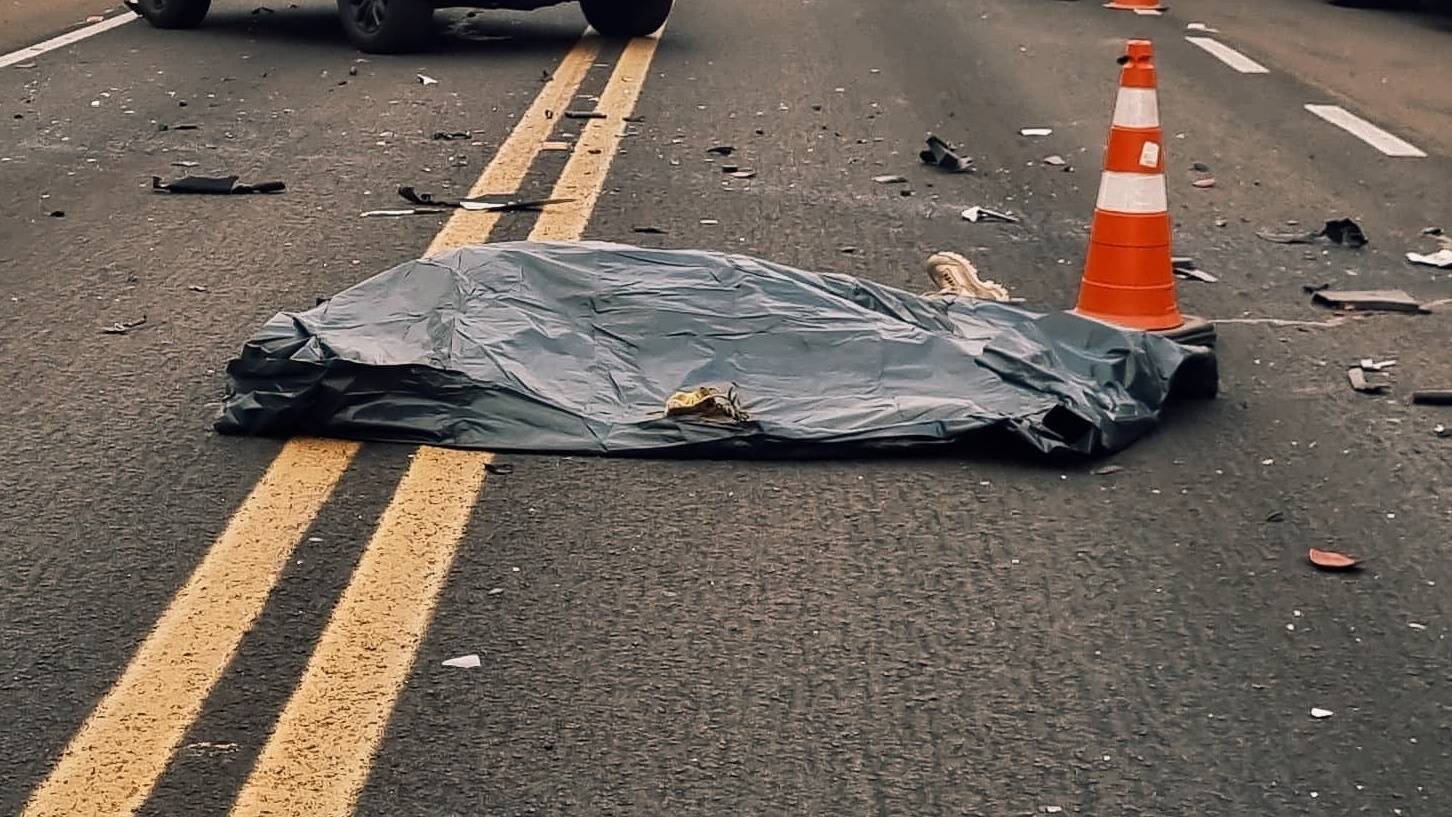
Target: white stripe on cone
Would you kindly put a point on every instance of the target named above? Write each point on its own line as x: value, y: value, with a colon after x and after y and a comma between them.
x: 1137, y: 108
x: 1137, y: 193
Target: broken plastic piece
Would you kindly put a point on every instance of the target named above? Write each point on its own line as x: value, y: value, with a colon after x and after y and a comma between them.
x: 464, y: 662
x: 1035, y: 131
x: 123, y: 327
x: 941, y: 154
x: 1345, y: 231
x: 1332, y: 560
x: 1056, y: 161
x: 427, y: 80
x: 890, y: 179
x: 977, y: 214
x: 585, y: 115
x: 1368, y: 300
x: 1357, y: 376
x: 1187, y: 268
x: 721, y: 150
x: 1204, y: 183
x: 1441, y: 258
x: 214, y: 186
x: 413, y: 211
x: 480, y: 203
x: 449, y: 136
x: 1432, y: 397
x: 1106, y: 470
x: 1321, y: 714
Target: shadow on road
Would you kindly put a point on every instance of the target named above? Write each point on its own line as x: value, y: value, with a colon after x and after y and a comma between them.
x: 455, y: 33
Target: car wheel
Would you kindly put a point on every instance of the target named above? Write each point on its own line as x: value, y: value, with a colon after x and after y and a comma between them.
x: 173, y: 13
x: 386, y: 26
x: 626, y: 18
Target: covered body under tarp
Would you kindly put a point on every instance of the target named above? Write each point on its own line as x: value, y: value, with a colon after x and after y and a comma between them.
x: 576, y: 347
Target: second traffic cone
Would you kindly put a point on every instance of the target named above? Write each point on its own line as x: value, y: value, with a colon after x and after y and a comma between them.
x: 1128, y: 276
x: 1135, y: 5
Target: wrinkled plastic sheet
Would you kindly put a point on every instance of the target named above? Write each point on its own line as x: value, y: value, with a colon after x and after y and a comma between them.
x: 575, y: 347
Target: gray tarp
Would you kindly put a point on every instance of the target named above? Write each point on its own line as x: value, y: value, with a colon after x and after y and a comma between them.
x: 574, y: 348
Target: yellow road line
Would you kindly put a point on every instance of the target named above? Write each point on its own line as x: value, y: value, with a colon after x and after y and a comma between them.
x: 506, y: 173
x: 318, y: 757
x: 584, y: 174
x: 113, y: 762
x: 111, y: 765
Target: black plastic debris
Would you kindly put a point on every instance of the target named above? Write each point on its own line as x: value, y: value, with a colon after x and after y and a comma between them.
x: 648, y: 229
x: 482, y: 203
x: 213, y: 186
x: 451, y: 136
x: 1341, y: 231
x: 124, y: 327
x: 1432, y: 397
x: 1367, y: 300
x: 721, y: 150
x: 163, y: 126
x: 941, y: 154
x: 585, y: 114
x: 578, y: 347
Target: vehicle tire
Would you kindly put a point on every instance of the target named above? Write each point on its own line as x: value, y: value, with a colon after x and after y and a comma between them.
x: 174, y: 13
x: 626, y: 18
x: 386, y: 26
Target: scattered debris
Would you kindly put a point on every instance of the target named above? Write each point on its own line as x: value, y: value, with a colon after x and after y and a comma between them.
x: 214, y: 186
x: 450, y: 136
x: 1371, y: 365
x: 1276, y: 516
x: 890, y: 179
x: 1204, y: 184
x: 24, y: 66
x: 1367, y: 300
x: 1186, y: 267
x: 470, y: 661
x: 1442, y: 431
x: 203, y: 748
x: 1357, y: 376
x: 56, y: 214
x: 412, y: 211
x: 585, y: 115
x: 426, y: 80
x: 1035, y: 131
x: 1106, y: 470
x: 493, y: 204
x: 649, y: 230
x: 1345, y: 231
x: 163, y: 127
x: 502, y: 469
x: 955, y: 275
x: 977, y: 214
x: 941, y: 154
x: 1416, y: 626
x: 1340, y: 231
x: 1056, y: 161
x: 1321, y: 714
x: 1441, y: 258
x: 352, y: 70
x: 198, y: 288
x: 185, y: 163
x: 1311, y: 289
x: 1332, y: 560
x: 848, y: 250
x: 556, y: 146
x: 1200, y: 167
x: 743, y: 174
x: 721, y: 150
x: 1053, y: 809
x: 1432, y: 397
x: 1202, y: 28
x: 123, y: 327
x: 709, y: 222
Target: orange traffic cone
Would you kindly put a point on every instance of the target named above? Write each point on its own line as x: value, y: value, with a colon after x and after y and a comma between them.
x: 1135, y: 5
x: 1128, y: 277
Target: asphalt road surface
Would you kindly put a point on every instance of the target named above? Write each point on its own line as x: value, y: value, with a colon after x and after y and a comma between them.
x: 200, y: 625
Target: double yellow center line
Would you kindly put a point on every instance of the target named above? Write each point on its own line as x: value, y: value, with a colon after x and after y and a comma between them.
x: 317, y: 758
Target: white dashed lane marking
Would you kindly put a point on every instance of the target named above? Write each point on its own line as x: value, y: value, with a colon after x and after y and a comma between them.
x: 33, y: 51
x: 1229, y: 56
x: 1385, y: 142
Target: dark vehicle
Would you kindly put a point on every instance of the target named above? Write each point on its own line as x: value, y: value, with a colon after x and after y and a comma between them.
x: 390, y: 26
